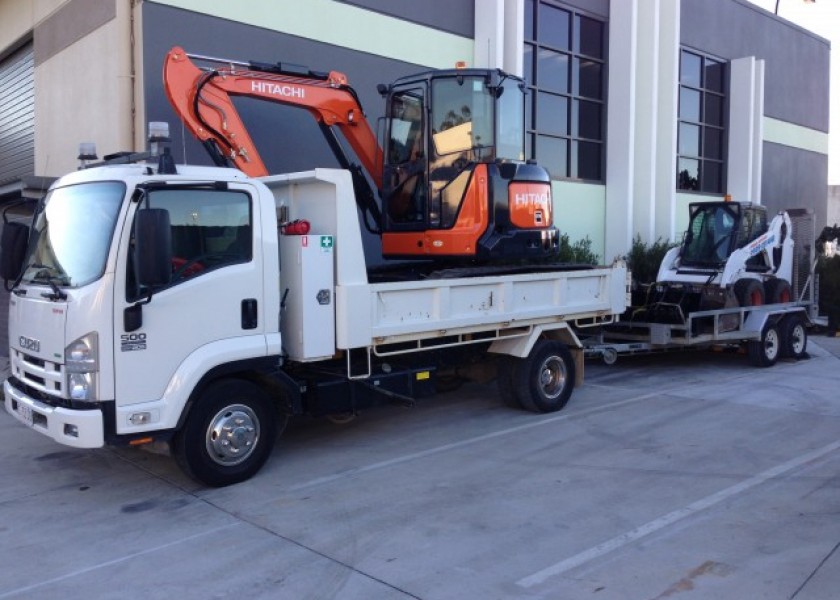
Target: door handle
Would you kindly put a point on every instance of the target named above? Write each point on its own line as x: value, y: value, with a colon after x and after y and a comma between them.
x: 249, y: 313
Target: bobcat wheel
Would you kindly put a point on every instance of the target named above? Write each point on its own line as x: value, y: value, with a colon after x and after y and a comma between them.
x: 749, y: 292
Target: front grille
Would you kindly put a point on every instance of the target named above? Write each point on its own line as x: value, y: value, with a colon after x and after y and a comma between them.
x: 45, y: 376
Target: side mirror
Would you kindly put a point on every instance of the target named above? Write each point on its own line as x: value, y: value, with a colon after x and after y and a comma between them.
x: 13, y: 250
x: 153, y: 247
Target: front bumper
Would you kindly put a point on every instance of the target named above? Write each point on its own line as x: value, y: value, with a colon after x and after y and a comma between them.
x: 71, y: 427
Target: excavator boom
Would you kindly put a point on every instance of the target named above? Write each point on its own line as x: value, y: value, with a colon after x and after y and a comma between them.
x: 202, y: 99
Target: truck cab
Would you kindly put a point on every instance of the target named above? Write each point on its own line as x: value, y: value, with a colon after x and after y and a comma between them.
x: 81, y: 366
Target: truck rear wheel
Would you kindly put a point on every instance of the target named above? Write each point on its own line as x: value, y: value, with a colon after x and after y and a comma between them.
x: 794, y: 337
x: 545, y: 379
x: 765, y: 352
x: 228, y: 435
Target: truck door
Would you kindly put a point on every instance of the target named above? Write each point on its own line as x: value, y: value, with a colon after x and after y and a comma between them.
x: 211, y: 309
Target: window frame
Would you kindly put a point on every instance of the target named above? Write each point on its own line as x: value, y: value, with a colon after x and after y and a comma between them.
x: 569, y: 135
x: 135, y: 293
x: 703, y: 125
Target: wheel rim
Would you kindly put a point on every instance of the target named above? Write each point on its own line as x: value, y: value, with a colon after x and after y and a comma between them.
x: 797, y: 339
x: 232, y: 435
x: 755, y: 298
x: 771, y: 344
x: 553, y: 376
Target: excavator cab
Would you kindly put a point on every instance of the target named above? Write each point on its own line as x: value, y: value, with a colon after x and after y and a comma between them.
x: 455, y: 182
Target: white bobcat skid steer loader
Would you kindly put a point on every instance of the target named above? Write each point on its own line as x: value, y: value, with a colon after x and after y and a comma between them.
x: 729, y: 257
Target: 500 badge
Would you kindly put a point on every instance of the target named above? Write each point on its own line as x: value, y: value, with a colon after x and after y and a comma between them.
x: 129, y: 342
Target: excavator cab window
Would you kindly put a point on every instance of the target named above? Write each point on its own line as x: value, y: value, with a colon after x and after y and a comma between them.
x: 405, y: 168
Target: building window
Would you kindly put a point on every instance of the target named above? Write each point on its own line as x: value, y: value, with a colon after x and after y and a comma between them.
x: 565, y: 70
x: 702, y: 115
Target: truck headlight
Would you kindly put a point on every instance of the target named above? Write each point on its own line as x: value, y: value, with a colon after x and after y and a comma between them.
x: 81, y: 363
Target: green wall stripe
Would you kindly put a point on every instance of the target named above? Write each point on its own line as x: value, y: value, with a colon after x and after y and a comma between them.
x: 796, y: 136
x: 343, y: 25
x: 580, y: 212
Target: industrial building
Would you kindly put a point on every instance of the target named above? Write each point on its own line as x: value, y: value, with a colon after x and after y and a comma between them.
x: 636, y: 108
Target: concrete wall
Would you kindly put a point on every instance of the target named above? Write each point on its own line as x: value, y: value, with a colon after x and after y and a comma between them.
x: 84, y: 83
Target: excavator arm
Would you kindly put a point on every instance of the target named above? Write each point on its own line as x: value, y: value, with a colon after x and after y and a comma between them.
x: 202, y: 99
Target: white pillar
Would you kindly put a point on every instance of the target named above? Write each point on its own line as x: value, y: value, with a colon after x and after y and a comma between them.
x: 746, y: 111
x: 665, y: 190
x: 647, y: 99
x: 618, y: 231
x: 489, y: 46
x: 514, y: 26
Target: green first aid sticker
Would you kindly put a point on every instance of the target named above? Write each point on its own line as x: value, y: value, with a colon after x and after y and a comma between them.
x: 326, y: 243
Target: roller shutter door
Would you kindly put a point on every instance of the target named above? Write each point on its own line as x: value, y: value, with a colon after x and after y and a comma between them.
x: 17, y: 115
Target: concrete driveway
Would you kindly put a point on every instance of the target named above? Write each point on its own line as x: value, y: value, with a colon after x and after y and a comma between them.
x: 692, y: 475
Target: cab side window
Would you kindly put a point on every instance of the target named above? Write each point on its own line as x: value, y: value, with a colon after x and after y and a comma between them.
x: 210, y: 229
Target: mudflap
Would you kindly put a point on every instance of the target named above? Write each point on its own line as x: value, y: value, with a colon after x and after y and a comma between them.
x: 330, y: 391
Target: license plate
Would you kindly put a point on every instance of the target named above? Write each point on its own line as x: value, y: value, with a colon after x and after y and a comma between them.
x: 25, y: 413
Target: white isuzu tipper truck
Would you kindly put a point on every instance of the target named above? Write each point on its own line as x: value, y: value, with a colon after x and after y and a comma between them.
x: 202, y: 307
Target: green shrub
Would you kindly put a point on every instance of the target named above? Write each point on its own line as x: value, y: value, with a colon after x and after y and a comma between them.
x: 579, y: 252
x: 644, y: 259
x: 829, y: 272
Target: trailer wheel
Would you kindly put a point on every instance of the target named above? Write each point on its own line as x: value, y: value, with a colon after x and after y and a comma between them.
x: 749, y: 292
x: 546, y: 377
x: 228, y: 435
x: 777, y: 291
x: 508, y: 367
x: 765, y: 352
x: 794, y: 337
x: 609, y: 356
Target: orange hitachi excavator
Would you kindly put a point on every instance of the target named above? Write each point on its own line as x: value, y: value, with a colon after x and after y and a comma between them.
x: 452, y: 181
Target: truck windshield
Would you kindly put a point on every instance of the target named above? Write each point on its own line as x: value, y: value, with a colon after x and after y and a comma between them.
x: 72, y: 233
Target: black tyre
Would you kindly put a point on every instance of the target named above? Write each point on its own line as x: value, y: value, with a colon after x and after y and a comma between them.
x: 777, y: 291
x: 546, y: 378
x: 228, y: 435
x: 794, y: 336
x: 766, y: 351
x: 749, y: 292
x: 508, y: 367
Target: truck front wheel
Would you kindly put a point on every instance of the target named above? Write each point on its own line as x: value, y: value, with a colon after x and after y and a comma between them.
x: 228, y: 435
x: 546, y: 377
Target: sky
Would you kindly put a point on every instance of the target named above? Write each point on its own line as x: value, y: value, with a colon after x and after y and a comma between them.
x: 823, y: 18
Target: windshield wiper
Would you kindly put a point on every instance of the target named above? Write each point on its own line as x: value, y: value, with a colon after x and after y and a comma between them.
x: 57, y: 292
x: 49, y: 274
